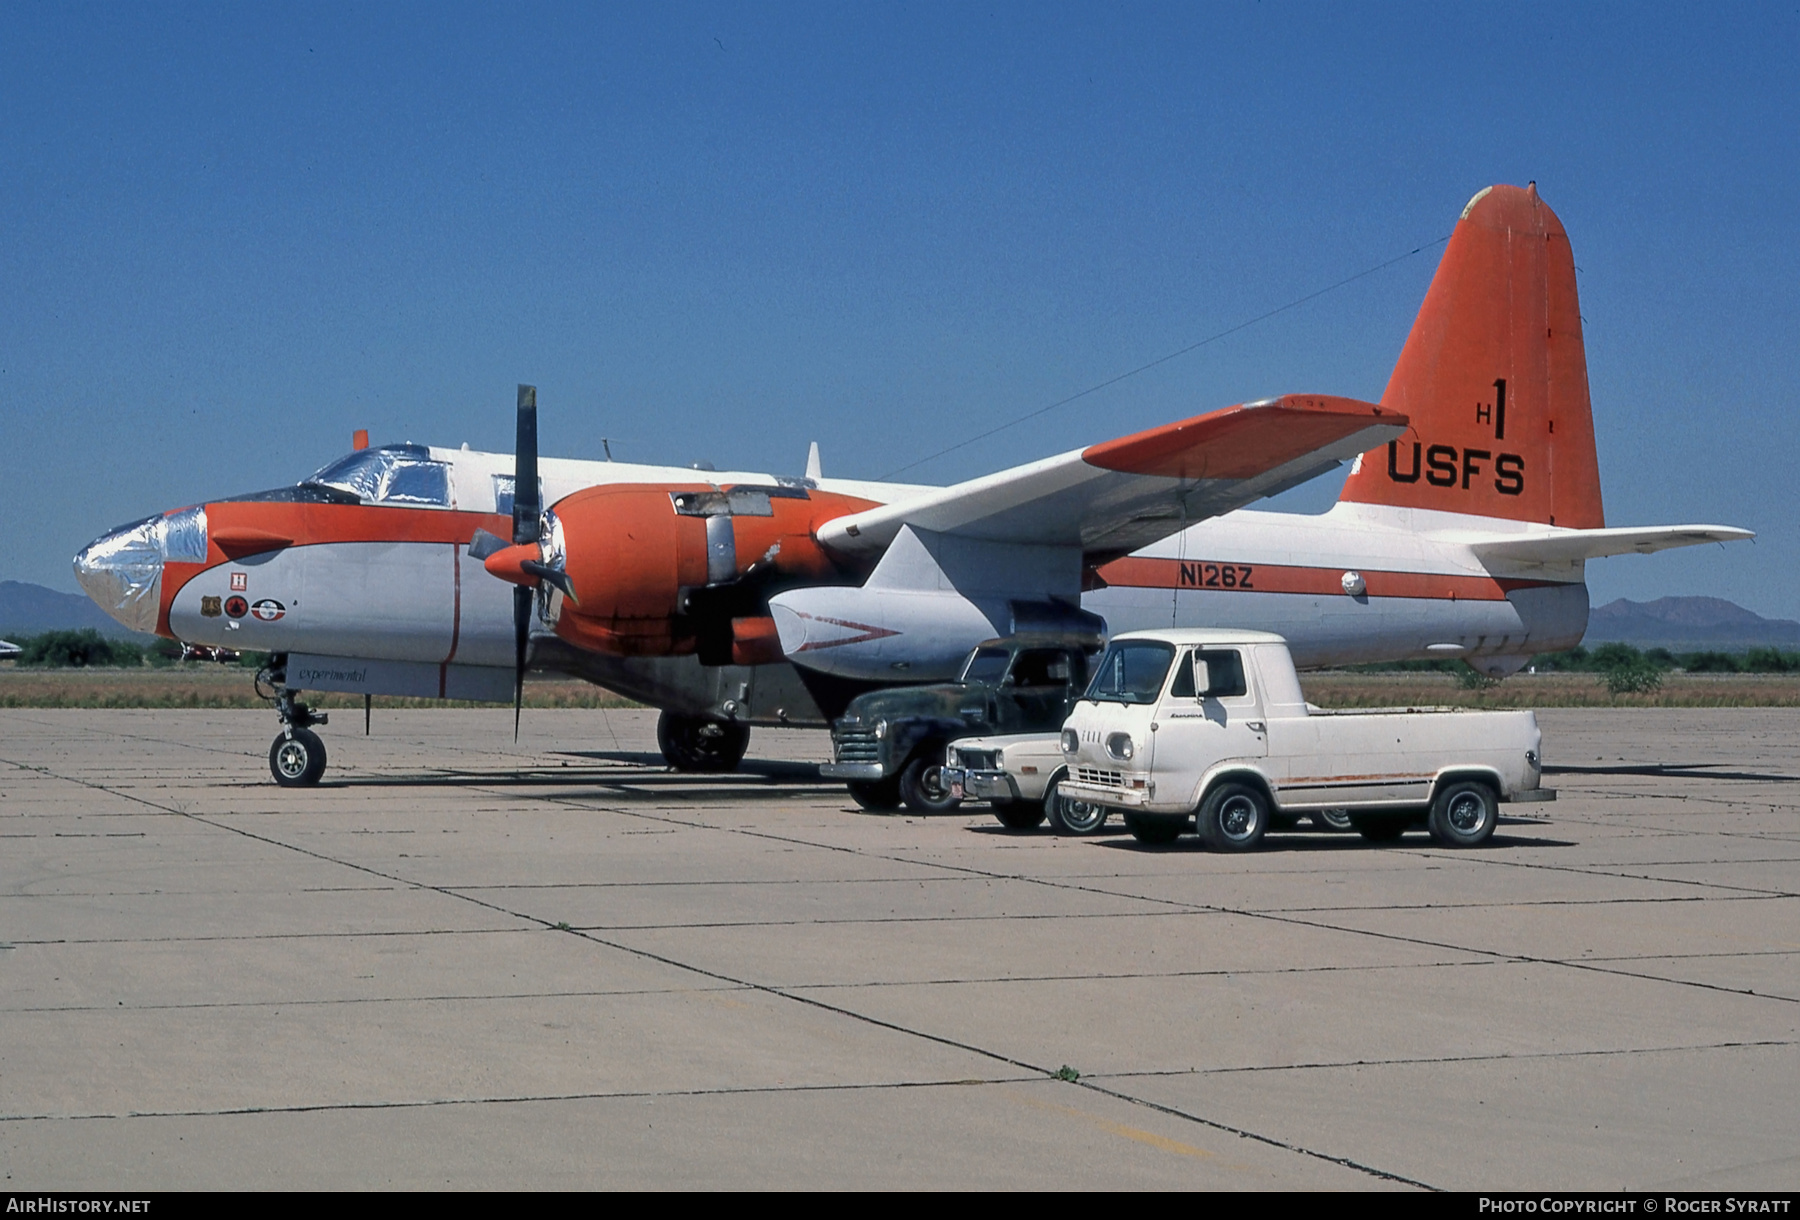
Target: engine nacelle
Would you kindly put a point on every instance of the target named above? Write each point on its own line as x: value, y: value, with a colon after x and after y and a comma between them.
x: 661, y: 570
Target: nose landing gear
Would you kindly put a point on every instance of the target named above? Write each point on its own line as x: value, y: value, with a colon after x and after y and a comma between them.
x: 297, y: 755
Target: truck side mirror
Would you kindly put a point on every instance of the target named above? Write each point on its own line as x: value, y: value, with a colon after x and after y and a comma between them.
x: 1202, y: 679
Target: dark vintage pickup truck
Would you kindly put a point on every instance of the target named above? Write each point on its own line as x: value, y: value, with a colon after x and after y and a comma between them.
x: 889, y: 745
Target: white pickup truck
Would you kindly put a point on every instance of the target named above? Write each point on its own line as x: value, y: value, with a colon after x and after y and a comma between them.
x: 1207, y: 729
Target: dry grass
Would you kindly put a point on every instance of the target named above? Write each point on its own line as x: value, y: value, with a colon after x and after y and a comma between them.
x: 230, y: 686
x: 1548, y: 690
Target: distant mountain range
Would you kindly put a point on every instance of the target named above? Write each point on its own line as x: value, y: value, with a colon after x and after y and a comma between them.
x: 1688, y: 624
x: 29, y: 609
x: 1680, y: 624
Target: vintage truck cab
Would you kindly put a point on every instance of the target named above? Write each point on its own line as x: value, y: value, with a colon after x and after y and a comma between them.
x: 1208, y: 730
x: 889, y: 745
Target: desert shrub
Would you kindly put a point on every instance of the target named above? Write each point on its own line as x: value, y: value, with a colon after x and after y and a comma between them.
x: 1710, y: 663
x: 1771, y: 661
x: 77, y: 649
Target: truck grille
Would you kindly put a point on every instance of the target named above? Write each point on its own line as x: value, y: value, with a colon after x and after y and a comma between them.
x: 1104, y: 779
x: 855, y: 746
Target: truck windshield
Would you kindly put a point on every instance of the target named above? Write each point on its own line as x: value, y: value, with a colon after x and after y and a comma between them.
x: 985, y: 665
x: 1132, y: 671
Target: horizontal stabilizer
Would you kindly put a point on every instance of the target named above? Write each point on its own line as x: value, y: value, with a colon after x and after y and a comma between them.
x: 1112, y: 498
x: 1565, y: 546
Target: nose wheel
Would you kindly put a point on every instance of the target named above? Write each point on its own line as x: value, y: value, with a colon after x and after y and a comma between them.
x: 296, y: 756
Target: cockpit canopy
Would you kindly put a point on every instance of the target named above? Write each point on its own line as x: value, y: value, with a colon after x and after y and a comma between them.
x: 392, y: 474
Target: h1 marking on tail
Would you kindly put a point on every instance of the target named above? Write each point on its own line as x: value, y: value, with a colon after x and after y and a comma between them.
x: 1494, y: 412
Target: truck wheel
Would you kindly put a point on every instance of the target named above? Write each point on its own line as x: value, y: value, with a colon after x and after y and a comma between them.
x: 1020, y: 815
x: 1234, y: 817
x: 878, y: 795
x: 921, y: 784
x: 1382, y: 828
x: 1464, y: 814
x: 1154, y: 829
x: 297, y: 760
x: 694, y: 743
x: 1332, y: 821
x: 1072, y: 817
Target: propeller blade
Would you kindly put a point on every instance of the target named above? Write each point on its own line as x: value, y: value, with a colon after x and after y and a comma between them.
x: 484, y: 544
x: 526, y: 507
x: 550, y: 575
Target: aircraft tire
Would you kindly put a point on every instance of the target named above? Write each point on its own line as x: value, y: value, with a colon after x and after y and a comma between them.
x: 1020, y: 815
x: 297, y: 761
x: 694, y: 743
x: 1073, y: 817
x: 1464, y: 814
x: 876, y: 795
x: 919, y: 786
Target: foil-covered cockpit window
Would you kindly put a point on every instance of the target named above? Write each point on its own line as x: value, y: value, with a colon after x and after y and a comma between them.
x: 184, y: 536
x: 503, y: 494
x: 392, y: 474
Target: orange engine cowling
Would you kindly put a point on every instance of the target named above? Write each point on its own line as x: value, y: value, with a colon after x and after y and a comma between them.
x: 663, y: 569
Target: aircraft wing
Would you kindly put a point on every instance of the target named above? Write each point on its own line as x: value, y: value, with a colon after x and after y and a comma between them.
x: 1564, y: 546
x: 1114, y: 497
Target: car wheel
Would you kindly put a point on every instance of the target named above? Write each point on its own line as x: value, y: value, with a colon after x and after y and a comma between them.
x: 297, y: 759
x: 921, y: 783
x: 1154, y: 829
x: 694, y: 743
x: 1234, y: 817
x: 1464, y: 814
x: 876, y: 795
x: 1069, y: 816
x: 1020, y: 815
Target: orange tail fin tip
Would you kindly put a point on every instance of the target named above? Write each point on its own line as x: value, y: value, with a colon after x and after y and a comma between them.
x: 1494, y: 379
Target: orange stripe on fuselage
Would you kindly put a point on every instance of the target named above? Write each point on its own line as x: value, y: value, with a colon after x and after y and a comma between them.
x: 316, y: 524
x: 1201, y: 575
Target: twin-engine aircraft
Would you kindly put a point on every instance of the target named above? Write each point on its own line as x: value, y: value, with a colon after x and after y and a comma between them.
x: 732, y: 599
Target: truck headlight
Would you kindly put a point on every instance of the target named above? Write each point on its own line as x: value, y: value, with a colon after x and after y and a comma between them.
x: 881, y: 728
x: 1120, y: 746
x: 1071, y: 743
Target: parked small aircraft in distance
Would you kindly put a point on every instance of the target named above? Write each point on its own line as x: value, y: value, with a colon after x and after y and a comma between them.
x: 730, y: 599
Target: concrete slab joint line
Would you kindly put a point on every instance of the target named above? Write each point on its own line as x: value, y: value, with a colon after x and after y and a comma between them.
x: 226, y: 985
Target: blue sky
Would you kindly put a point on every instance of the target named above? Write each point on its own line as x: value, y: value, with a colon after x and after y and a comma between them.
x: 230, y: 235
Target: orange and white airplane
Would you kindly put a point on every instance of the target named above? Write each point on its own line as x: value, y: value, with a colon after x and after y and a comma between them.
x: 731, y: 599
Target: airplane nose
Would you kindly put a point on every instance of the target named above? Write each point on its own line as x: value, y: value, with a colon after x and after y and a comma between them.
x: 122, y: 570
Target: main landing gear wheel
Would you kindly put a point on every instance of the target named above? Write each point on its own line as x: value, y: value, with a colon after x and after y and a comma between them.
x: 922, y: 784
x: 1464, y: 814
x: 1021, y: 815
x: 297, y: 758
x: 876, y: 795
x: 1069, y: 816
x: 694, y: 743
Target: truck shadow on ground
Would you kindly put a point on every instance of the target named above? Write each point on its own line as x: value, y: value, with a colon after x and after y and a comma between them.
x: 1314, y: 842
x: 1673, y: 771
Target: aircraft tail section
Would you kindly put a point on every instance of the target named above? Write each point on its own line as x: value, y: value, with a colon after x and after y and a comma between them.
x: 1494, y: 379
